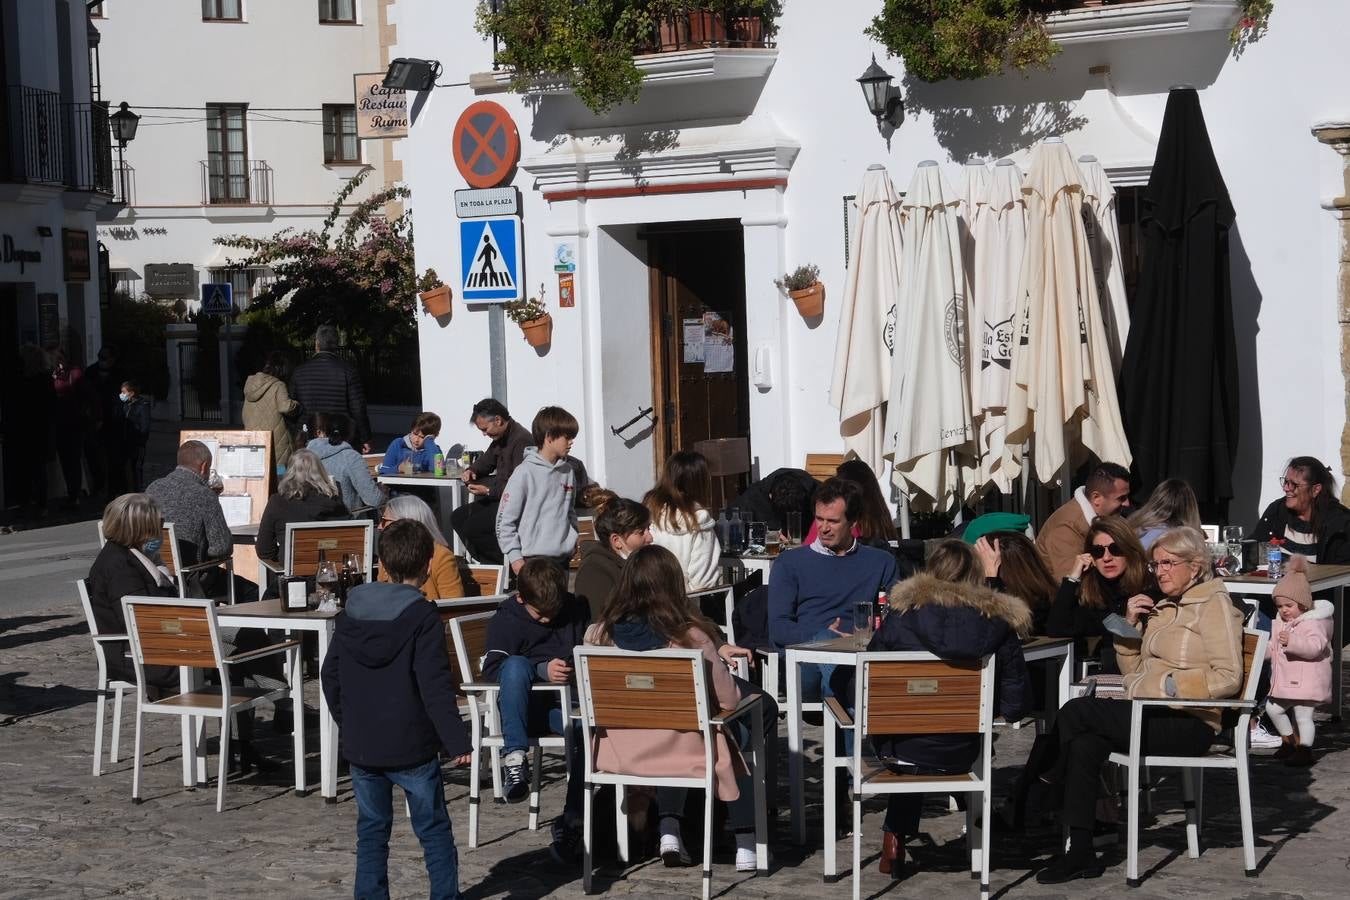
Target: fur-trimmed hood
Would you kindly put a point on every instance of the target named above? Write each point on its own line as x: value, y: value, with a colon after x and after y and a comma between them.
x: 1321, y: 609
x: 924, y: 590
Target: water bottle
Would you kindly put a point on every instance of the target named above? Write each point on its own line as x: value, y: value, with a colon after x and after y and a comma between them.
x: 1274, y: 563
x: 723, y: 527
x: 736, y: 532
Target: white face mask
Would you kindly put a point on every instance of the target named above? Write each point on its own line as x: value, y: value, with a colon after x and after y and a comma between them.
x: 124, y: 396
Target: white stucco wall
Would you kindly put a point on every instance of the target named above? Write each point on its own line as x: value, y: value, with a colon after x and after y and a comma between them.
x: 162, y: 59
x: 1259, y: 110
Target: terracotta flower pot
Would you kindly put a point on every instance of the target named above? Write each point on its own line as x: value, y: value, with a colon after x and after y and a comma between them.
x: 538, y: 332
x: 746, y: 31
x: 810, y: 301
x: 706, y: 28
x: 436, y: 301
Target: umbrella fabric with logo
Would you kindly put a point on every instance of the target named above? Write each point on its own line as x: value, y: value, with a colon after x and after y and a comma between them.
x: 862, y: 357
x: 1103, y: 230
x: 1179, y: 380
x: 929, y: 434
x: 973, y: 191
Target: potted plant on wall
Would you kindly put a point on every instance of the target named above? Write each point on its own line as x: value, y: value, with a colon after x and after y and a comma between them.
x: 804, y: 287
x: 434, y: 294
x: 533, y: 318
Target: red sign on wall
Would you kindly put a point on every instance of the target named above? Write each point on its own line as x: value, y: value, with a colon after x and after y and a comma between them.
x: 486, y: 144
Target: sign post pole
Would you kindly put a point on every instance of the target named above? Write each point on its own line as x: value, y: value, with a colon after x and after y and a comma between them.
x: 497, y: 351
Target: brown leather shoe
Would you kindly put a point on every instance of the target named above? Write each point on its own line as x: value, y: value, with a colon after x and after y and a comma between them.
x: 892, y: 854
x: 1287, y: 745
x: 1300, y: 757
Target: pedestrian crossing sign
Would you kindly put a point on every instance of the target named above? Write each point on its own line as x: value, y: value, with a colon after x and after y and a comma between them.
x: 490, y: 260
x: 218, y: 299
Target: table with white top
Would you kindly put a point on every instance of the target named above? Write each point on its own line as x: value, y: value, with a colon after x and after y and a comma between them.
x: 451, y: 483
x: 1320, y: 578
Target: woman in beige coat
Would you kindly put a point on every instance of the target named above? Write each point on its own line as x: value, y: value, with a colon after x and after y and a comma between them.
x: 649, y: 611
x: 1191, y: 649
x: 267, y: 403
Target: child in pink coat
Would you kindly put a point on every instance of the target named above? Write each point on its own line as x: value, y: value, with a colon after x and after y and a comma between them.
x: 1300, y: 661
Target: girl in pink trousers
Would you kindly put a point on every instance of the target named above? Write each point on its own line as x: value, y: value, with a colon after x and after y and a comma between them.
x: 1300, y: 660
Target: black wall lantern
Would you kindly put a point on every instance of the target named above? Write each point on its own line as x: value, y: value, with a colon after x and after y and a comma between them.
x: 883, y: 99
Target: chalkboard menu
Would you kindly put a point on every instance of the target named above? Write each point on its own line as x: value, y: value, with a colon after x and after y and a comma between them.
x: 49, y: 321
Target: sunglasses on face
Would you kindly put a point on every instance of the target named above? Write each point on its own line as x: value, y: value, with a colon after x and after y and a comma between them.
x: 1100, y: 550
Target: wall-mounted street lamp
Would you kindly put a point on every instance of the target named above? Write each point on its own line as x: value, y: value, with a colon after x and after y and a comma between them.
x: 407, y: 74
x: 883, y: 99
x: 124, y: 123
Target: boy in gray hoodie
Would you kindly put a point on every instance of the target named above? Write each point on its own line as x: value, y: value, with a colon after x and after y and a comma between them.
x: 537, y: 515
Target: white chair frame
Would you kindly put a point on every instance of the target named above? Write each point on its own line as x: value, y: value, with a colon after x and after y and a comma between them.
x: 180, y: 571
x: 1137, y: 763
x: 484, y: 715
x: 292, y: 528
x: 708, y: 723
x: 728, y: 623
x: 193, y: 704
x: 501, y: 575
x: 860, y: 785
x: 105, y: 687
x: 470, y: 606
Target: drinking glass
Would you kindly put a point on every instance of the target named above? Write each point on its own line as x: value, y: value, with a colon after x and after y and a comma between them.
x: 794, y: 528
x: 757, y: 537
x: 862, y: 622
x: 326, y: 578
x: 1232, y: 536
x: 351, y: 564
x: 772, y: 543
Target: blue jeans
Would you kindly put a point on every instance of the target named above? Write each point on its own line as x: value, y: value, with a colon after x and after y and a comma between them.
x: 524, y: 712
x: 422, y: 785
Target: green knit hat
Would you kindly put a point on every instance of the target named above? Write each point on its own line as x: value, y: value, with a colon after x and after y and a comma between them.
x: 997, y: 521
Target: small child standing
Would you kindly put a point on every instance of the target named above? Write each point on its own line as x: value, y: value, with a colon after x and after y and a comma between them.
x: 530, y: 640
x: 1300, y: 663
x: 389, y: 686
x: 538, y: 514
x: 135, y: 414
x: 418, y: 446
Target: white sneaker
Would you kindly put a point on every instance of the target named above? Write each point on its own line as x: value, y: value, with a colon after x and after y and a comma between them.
x: 746, y: 860
x: 1263, y: 740
x: 673, y: 853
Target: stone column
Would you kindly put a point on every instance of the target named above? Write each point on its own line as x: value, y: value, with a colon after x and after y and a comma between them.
x: 1337, y: 136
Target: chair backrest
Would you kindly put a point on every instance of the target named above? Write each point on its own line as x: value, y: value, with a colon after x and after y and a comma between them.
x: 490, y: 579
x: 82, y: 586
x: 102, y: 538
x: 468, y: 644
x: 822, y: 466
x: 717, y: 605
x: 373, y: 461
x: 661, y: 689
x: 305, y: 540
x: 170, y: 556
x: 918, y: 693
x: 585, y: 532
x: 172, y: 632
x: 1253, y: 655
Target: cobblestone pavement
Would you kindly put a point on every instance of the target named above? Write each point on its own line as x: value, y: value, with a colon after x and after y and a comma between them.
x: 64, y: 833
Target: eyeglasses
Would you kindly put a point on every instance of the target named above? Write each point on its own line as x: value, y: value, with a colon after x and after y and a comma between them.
x: 385, y: 521
x: 1100, y: 550
x: 1165, y: 565
x: 1290, y: 484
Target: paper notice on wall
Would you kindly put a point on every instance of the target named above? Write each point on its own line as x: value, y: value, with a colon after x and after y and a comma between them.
x: 692, y: 330
x: 238, y: 509
x: 719, y: 351
x: 242, y: 462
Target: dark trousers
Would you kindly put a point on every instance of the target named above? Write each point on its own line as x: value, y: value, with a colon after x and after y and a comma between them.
x: 1091, y: 729
x: 476, y: 525
x: 903, y: 810
x: 70, y: 451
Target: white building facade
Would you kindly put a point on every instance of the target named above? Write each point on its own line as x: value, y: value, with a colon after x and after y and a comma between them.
x: 737, y: 165
x: 247, y: 127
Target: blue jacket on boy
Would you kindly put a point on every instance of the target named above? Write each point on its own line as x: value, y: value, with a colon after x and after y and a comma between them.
x: 400, y: 450
x: 512, y: 631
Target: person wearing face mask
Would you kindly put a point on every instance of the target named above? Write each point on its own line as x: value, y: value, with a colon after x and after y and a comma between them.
x: 129, y: 565
x: 134, y: 414
x: 621, y: 527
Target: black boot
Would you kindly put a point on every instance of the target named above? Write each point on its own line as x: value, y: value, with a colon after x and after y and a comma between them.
x: 1040, y: 761
x: 1079, y: 862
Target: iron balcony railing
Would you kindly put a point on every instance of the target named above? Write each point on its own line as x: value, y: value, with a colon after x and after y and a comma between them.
x: 124, y: 184
x: 89, y: 157
x: 236, y: 182
x: 33, y: 151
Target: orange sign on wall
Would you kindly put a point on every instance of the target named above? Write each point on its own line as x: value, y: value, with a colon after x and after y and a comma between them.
x: 486, y: 144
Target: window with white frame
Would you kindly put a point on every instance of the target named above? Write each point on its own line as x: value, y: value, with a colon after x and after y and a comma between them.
x: 222, y: 10
x: 96, y: 11
x: 339, y: 134
x: 245, y: 284
x: 342, y: 12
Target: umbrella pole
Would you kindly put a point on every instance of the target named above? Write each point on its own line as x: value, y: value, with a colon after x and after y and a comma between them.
x: 904, y: 515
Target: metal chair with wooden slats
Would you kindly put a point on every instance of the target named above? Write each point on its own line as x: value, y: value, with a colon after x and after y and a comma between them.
x: 663, y: 690
x: 490, y: 579
x: 182, y: 632
x: 1137, y: 763
x: 116, y: 687
x: 900, y: 693
x: 173, y: 561
x: 373, y: 462
x: 585, y: 532
x: 453, y: 609
x: 822, y: 466
x: 719, y: 606
x: 469, y: 634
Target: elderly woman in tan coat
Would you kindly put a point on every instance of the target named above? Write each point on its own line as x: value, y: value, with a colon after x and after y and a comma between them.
x: 266, y: 405
x: 1191, y: 649
x: 649, y: 611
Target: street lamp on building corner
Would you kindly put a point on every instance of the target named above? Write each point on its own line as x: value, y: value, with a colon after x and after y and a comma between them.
x: 124, y: 123
x: 883, y: 99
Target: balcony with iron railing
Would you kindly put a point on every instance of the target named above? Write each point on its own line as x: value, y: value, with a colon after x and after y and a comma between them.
x: 89, y: 161
x: 33, y: 149
x: 1091, y: 21
x: 124, y: 184
x: 232, y: 182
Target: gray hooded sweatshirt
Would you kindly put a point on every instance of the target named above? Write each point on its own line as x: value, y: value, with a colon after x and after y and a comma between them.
x: 348, y: 468
x: 538, y: 515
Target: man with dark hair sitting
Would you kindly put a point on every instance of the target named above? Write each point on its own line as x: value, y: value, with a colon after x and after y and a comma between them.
x: 770, y: 499
x: 1105, y: 493
x: 812, y: 588
x: 476, y: 522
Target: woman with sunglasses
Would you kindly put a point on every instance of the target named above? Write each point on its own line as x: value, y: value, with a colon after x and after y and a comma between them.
x: 1190, y: 649
x: 1111, y: 569
x: 1308, y: 517
x: 445, y: 582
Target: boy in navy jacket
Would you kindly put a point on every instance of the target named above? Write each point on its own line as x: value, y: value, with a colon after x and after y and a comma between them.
x: 530, y: 640
x: 389, y: 686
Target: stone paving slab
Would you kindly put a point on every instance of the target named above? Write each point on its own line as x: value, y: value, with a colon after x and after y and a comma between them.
x: 64, y: 833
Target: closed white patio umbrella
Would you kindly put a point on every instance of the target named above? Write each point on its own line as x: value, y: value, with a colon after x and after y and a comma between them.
x: 1103, y: 230
x: 1000, y: 243
x: 929, y: 435
x: 862, y: 354
x: 1062, y: 396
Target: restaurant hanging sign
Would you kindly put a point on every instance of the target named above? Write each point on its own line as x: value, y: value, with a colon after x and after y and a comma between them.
x: 380, y: 111
x: 75, y: 253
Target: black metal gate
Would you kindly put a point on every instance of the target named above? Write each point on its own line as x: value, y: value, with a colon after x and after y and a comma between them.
x: 188, y: 397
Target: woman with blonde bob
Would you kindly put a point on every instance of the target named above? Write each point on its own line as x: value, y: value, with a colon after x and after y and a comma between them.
x: 304, y: 494
x: 445, y: 582
x: 1171, y: 505
x: 1190, y: 649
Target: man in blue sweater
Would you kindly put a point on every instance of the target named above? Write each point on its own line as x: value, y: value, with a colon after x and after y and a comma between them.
x: 812, y: 589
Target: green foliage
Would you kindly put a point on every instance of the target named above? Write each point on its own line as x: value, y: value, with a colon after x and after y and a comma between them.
x: 591, y: 42
x: 1252, y: 24
x: 526, y: 310
x: 799, y: 279
x: 965, y: 39
x: 136, y: 329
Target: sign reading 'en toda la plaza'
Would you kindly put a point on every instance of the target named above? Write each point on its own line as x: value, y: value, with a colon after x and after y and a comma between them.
x: 380, y: 112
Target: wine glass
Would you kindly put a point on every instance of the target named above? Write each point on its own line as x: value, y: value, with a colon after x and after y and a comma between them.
x: 326, y: 578
x: 1232, y: 536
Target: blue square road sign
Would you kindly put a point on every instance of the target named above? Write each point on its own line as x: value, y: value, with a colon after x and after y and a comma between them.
x: 490, y: 260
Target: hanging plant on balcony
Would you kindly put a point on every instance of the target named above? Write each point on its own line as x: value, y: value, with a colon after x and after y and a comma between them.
x: 1252, y: 24
x: 533, y: 318
x: 591, y: 43
x: 965, y: 39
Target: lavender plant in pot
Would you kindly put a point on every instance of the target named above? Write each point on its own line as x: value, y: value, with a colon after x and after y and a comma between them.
x: 804, y: 287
